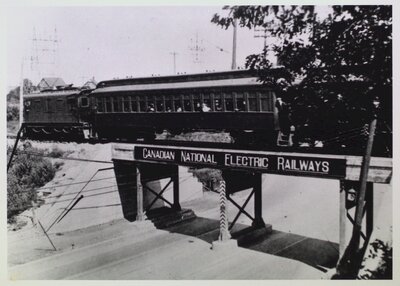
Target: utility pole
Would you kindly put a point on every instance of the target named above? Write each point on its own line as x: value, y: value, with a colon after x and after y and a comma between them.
x: 21, y: 96
x: 174, y: 54
x: 234, y: 44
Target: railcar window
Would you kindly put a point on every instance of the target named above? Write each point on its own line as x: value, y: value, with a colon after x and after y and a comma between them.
x: 252, y: 99
x: 49, y: 105
x: 142, y: 105
x: 100, y: 104
x: 160, y: 104
x: 108, y: 105
x: 265, y: 102
x: 168, y: 104
x: 178, y: 103
x: 240, y: 102
x: 207, y: 100
x: 84, y: 102
x: 187, y: 106
x: 196, y: 102
x: 134, y: 105
x: 37, y: 105
x: 126, y: 104
x: 228, y: 102
x: 60, y: 105
x: 151, y: 106
x: 71, y: 102
x: 217, y: 102
x: 116, y: 104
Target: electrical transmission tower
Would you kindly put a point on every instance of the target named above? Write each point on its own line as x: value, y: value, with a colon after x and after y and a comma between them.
x: 196, y: 48
x: 262, y: 33
x: 44, y: 54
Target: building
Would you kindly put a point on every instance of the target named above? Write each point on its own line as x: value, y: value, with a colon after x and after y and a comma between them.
x: 90, y: 84
x: 51, y: 83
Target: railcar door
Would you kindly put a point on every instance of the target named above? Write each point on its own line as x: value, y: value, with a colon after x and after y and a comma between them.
x: 72, y: 106
x: 84, y: 110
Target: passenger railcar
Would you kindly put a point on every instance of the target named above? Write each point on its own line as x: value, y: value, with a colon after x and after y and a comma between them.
x: 233, y: 101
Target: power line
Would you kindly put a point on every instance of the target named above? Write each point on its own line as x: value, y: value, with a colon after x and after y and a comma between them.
x: 63, y: 158
x: 96, y: 207
x: 74, y: 199
x: 219, y: 48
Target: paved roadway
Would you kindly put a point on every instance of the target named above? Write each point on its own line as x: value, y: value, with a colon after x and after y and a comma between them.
x: 158, y: 254
x: 304, y: 213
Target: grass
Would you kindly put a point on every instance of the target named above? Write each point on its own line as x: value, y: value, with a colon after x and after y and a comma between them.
x: 27, y: 173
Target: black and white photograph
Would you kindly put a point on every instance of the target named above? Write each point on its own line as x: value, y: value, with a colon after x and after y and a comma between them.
x: 201, y: 142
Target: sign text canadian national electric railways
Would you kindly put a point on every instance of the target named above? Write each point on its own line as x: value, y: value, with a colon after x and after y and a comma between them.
x: 263, y: 162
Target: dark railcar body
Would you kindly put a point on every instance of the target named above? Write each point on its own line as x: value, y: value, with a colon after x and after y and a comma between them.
x: 58, y: 114
x: 232, y: 101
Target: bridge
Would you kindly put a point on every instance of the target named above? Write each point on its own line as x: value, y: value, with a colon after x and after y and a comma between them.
x: 137, y: 164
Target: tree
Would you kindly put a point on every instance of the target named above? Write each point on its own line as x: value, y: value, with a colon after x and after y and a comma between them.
x: 13, y: 95
x: 332, y: 68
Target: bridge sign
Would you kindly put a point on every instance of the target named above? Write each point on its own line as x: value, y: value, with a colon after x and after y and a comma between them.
x: 305, y: 165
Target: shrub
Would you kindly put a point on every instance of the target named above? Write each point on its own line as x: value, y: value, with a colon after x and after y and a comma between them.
x: 12, y: 112
x: 207, y: 176
x: 26, y: 174
x: 56, y: 152
x: 382, y: 255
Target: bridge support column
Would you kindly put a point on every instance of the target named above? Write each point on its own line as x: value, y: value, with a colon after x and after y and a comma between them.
x: 258, y: 220
x: 349, y: 192
x: 224, y: 233
x: 342, y: 218
x: 175, y: 179
x: 139, y: 195
x: 224, y: 239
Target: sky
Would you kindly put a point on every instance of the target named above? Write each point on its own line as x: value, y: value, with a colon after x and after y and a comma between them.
x: 110, y: 42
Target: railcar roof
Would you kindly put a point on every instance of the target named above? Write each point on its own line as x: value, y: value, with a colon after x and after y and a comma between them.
x: 178, y: 78
x: 182, y: 85
x: 52, y: 93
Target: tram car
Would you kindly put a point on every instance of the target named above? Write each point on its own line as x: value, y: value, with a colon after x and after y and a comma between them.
x: 128, y: 109
x: 57, y: 114
x: 234, y: 101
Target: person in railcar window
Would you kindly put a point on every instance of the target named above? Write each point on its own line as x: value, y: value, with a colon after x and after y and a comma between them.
x: 150, y: 107
x: 228, y: 104
x: 240, y: 104
x: 205, y: 108
x: 197, y: 106
x: 177, y: 104
x: 218, y: 106
x: 187, y: 104
x: 168, y: 105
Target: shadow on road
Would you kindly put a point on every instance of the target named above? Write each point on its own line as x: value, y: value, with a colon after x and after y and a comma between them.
x: 317, y: 253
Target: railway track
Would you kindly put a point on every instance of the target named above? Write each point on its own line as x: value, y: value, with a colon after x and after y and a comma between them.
x: 216, y: 145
